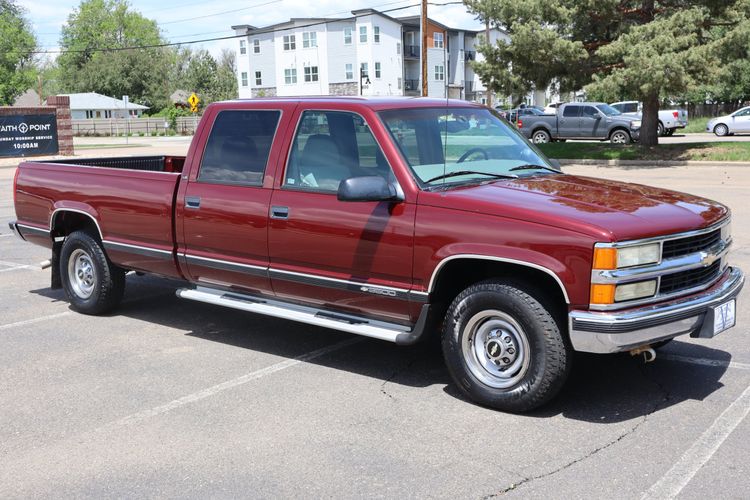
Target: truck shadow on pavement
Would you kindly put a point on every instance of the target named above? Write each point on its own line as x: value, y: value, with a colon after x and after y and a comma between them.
x: 601, y: 389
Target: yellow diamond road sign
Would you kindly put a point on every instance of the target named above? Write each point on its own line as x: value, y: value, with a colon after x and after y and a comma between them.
x: 193, y: 100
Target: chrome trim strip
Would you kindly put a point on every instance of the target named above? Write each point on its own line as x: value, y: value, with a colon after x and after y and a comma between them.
x: 138, y: 250
x: 667, y: 237
x: 54, y: 214
x: 224, y: 265
x: 497, y: 259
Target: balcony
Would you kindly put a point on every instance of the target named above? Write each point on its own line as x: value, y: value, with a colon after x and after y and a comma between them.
x: 411, y: 51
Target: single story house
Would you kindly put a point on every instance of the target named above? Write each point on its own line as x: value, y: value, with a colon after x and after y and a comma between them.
x: 93, y: 105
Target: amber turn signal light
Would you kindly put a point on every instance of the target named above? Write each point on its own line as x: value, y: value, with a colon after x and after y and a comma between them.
x: 602, y: 294
x: 605, y: 258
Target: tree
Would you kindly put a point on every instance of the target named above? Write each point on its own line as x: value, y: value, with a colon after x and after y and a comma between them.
x: 95, y: 58
x: 639, y: 49
x: 17, y: 46
x: 199, y: 72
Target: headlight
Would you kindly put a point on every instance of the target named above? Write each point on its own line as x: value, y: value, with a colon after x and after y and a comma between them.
x: 635, y: 124
x: 633, y: 291
x: 617, y: 258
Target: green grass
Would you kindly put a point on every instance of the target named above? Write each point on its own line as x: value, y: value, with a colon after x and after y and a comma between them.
x: 695, y: 125
x: 699, y: 151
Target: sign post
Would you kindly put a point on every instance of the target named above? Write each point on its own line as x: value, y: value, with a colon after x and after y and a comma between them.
x: 126, y: 100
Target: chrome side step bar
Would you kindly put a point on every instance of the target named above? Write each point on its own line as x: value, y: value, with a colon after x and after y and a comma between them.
x: 319, y: 317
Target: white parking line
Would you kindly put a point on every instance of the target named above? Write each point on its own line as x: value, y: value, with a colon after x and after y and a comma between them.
x: 34, y: 320
x: 676, y: 478
x: 705, y: 361
x: 229, y: 384
x: 6, y: 235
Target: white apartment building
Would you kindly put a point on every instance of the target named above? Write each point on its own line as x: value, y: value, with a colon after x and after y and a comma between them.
x: 370, y: 53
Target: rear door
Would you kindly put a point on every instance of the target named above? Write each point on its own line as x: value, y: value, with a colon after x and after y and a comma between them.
x: 568, y: 121
x: 223, y: 206
x: 350, y: 256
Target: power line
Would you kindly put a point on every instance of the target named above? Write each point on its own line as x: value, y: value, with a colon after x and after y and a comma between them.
x: 219, y: 13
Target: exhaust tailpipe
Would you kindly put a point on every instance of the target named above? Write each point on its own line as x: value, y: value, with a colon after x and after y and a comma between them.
x: 648, y: 353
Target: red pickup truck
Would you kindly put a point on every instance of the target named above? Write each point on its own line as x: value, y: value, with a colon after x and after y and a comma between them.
x: 394, y: 219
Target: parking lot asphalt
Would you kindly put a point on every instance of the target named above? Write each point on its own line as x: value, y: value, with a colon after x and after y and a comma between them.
x: 168, y: 398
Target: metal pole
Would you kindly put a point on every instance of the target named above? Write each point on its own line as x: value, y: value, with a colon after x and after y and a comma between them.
x: 487, y: 41
x: 423, y: 52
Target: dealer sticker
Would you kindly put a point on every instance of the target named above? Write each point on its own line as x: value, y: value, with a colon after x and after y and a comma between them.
x: 724, y: 316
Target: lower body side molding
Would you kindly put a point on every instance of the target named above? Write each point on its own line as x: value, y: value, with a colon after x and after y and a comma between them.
x: 358, y: 325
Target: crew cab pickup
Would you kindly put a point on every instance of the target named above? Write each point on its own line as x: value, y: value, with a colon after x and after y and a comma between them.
x: 669, y: 119
x: 581, y: 120
x: 395, y: 219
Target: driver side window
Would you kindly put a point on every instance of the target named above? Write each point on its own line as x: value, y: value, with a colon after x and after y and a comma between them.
x: 331, y: 146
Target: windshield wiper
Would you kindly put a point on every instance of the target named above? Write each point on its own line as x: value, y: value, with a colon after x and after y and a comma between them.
x: 535, y: 167
x: 470, y: 172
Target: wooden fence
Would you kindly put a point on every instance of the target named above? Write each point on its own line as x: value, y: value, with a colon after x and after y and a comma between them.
x: 186, y: 125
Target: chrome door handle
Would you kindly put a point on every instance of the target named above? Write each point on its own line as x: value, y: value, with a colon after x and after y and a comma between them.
x: 279, y: 212
x: 192, y: 202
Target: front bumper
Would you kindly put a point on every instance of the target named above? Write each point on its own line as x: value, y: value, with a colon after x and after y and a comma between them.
x: 616, y: 331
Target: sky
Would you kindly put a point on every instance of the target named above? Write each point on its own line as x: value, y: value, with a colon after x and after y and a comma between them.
x: 184, y: 20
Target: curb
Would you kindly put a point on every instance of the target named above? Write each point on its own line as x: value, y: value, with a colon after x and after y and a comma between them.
x: 655, y: 163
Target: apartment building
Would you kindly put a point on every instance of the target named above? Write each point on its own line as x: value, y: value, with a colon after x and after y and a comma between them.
x: 370, y: 53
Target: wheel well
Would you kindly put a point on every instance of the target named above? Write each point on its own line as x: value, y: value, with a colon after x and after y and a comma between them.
x: 65, y: 222
x: 457, y: 275
x: 542, y: 129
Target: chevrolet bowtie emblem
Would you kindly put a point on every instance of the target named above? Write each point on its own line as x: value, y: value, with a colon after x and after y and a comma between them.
x: 708, y: 258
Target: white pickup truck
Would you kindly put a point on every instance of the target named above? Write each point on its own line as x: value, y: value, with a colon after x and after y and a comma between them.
x: 669, y: 119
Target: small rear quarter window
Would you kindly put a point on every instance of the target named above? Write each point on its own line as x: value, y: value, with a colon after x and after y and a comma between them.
x: 238, y: 147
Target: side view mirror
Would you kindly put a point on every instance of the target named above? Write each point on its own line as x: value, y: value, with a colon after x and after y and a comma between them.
x: 368, y: 188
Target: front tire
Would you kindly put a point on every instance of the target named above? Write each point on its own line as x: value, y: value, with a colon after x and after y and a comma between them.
x: 619, y: 137
x: 503, y: 348
x: 92, y: 283
x: 721, y: 130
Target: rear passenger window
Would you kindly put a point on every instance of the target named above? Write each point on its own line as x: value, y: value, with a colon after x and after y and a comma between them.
x: 238, y: 147
x: 571, y: 111
x: 331, y: 146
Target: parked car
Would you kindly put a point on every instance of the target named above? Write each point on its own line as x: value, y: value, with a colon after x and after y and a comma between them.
x: 581, y: 120
x: 669, y: 119
x: 515, y: 114
x: 734, y: 123
x: 376, y: 218
x: 551, y: 109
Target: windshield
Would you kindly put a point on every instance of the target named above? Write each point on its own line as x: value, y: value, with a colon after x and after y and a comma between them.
x: 460, y: 145
x: 607, y: 110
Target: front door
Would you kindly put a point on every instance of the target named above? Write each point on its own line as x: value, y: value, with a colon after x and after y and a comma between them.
x: 741, y: 121
x: 224, y: 209
x: 592, y: 122
x: 349, y: 256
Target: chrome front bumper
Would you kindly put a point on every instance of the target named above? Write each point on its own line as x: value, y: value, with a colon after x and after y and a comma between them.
x: 616, y: 331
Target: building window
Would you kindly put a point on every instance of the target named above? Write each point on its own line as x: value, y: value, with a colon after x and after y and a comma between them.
x: 309, y: 39
x: 347, y: 36
x: 258, y: 79
x: 289, y: 42
x: 363, y: 34
x: 290, y: 76
x: 256, y: 46
x: 399, y: 82
x: 244, y: 78
x: 349, y: 72
x: 376, y: 34
x: 364, y: 71
x: 438, y: 40
x: 439, y: 73
x: 377, y: 70
x: 311, y: 73
x: 243, y: 47
x: 398, y: 48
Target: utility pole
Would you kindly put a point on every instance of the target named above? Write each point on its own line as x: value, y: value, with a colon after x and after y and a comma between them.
x: 423, y: 55
x: 487, y: 41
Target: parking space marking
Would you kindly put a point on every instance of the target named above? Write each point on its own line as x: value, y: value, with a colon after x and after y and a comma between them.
x: 6, y: 235
x: 12, y: 266
x: 705, y: 361
x: 676, y: 478
x: 229, y: 384
x: 34, y: 320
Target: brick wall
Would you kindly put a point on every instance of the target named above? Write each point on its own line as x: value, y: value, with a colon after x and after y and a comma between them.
x: 60, y: 105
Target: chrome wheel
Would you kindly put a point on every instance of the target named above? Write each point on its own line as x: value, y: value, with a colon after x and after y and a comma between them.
x: 620, y: 137
x: 81, y: 273
x: 540, y: 137
x: 496, y: 349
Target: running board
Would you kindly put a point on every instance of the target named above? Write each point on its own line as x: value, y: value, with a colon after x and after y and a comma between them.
x: 319, y: 317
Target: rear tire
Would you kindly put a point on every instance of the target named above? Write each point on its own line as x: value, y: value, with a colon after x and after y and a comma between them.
x: 660, y: 129
x: 92, y: 283
x: 670, y: 132
x: 503, y: 348
x: 540, y: 137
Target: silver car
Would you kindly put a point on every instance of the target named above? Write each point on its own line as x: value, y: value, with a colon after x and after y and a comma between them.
x: 734, y: 123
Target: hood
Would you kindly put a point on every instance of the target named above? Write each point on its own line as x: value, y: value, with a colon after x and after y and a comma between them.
x: 606, y: 210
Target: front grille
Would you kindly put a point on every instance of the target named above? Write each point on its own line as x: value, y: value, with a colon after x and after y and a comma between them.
x: 685, y: 280
x: 690, y: 244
